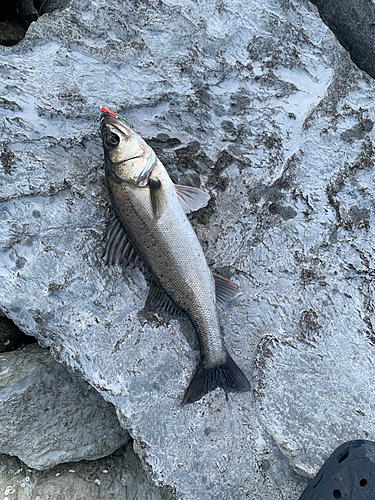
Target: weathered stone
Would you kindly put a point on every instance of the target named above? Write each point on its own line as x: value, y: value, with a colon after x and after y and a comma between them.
x: 259, y: 105
x: 17, y: 15
x: 50, y: 416
x: 117, y: 477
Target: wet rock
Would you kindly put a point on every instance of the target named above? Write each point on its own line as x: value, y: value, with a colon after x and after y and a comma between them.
x: 11, y: 336
x: 11, y: 32
x: 48, y: 6
x: 117, y: 477
x: 7, y: 10
x: 353, y: 23
x: 283, y: 179
x: 16, y: 16
x: 27, y: 11
x: 50, y: 416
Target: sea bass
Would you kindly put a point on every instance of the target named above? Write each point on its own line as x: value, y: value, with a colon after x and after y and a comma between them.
x: 150, y: 226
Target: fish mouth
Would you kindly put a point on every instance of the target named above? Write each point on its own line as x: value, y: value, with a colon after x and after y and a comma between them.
x: 134, y: 157
x: 127, y: 159
x: 140, y: 155
x: 110, y: 120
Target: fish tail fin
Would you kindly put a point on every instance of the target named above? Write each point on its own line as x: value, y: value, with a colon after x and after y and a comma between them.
x: 228, y: 376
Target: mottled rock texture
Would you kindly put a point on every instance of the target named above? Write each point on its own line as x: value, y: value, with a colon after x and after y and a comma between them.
x: 49, y: 416
x: 258, y: 104
x: 117, y: 477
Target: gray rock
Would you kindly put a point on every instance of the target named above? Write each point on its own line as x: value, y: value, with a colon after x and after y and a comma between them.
x: 117, y: 477
x: 330, y: 401
x: 260, y: 106
x: 49, y: 416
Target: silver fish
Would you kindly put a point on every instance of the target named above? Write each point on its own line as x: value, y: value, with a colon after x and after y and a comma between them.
x: 150, y: 227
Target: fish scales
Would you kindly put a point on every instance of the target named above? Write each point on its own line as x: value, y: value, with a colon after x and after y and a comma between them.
x: 172, y: 252
x: 150, y: 211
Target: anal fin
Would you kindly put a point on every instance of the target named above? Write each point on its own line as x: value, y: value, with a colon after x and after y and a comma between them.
x: 158, y: 301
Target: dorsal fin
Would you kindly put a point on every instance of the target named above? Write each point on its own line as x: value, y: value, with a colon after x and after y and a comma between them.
x: 119, y: 249
x: 227, y: 292
x: 191, y: 198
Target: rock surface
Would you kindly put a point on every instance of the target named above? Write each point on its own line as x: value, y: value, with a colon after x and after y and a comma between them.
x: 117, y: 477
x: 330, y: 402
x: 49, y: 416
x: 259, y: 105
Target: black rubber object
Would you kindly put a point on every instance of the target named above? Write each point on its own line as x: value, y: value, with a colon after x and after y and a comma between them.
x: 348, y: 474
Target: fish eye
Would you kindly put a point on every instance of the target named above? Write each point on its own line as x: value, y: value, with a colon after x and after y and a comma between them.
x: 112, y: 140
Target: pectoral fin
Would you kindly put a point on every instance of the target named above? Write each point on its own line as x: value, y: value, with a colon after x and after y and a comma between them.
x: 157, y: 196
x: 191, y: 198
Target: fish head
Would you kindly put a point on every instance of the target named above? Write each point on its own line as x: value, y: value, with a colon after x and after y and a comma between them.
x: 128, y: 157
